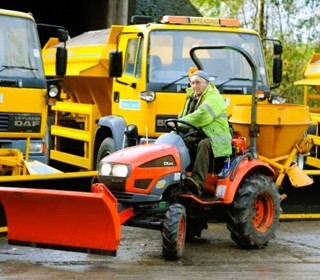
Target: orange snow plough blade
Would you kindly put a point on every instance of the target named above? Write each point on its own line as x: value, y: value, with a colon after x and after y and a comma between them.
x: 65, y: 220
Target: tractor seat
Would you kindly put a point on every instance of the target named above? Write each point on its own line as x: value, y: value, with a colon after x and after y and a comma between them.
x: 218, y: 164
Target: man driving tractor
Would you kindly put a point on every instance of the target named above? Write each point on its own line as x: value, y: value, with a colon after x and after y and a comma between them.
x: 206, y: 109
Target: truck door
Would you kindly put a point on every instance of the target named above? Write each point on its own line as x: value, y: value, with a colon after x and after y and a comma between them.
x: 126, y: 101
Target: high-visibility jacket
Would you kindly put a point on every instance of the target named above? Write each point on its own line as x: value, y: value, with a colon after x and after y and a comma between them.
x: 210, y: 115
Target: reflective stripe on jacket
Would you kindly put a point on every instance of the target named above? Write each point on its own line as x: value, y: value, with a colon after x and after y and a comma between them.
x: 210, y: 115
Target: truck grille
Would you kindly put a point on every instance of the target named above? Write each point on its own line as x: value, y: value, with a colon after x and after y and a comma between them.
x: 4, y: 122
x: 15, y: 122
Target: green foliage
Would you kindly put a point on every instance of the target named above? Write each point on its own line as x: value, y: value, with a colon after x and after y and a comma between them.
x: 293, y: 22
x: 158, y: 8
x: 295, y: 59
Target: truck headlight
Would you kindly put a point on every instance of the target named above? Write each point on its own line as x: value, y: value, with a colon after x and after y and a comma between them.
x: 277, y: 99
x: 53, y: 91
x: 148, y: 95
x: 36, y: 148
x: 117, y: 170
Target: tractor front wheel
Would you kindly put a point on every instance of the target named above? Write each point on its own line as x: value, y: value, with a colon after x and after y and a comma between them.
x: 174, y: 232
x: 254, y: 216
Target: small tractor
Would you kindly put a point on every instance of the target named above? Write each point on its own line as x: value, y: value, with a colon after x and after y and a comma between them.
x: 142, y: 186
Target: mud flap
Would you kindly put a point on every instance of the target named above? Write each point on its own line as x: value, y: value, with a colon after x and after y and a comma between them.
x: 65, y: 220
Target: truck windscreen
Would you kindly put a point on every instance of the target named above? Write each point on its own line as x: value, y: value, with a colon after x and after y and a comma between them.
x: 169, y: 60
x: 20, y: 52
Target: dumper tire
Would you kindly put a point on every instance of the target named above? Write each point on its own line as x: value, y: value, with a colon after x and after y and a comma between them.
x: 174, y: 232
x: 106, y: 148
x: 255, y: 213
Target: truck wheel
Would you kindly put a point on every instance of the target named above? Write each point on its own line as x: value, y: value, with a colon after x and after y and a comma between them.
x: 312, y: 129
x: 255, y: 213
x: 106, y: 148
x: 174, y: 232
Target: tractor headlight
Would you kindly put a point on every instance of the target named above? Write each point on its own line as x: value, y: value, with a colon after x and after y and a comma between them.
x: 120, y: 170
x: 105, y: 169
x: 117, y: 170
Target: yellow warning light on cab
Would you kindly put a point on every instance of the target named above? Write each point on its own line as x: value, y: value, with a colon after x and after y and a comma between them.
x: 201, y: 21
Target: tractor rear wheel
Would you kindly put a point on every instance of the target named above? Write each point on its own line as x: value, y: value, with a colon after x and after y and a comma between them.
x: 174, y: 232
x: 255, y: 213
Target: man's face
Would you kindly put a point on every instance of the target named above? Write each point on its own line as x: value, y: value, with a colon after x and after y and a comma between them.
x: 198, y: 85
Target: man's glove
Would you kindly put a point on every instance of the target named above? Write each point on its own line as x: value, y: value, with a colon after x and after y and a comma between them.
x: 171, y: 124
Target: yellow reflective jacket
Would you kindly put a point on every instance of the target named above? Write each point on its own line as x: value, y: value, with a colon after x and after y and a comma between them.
x: 210, y: 115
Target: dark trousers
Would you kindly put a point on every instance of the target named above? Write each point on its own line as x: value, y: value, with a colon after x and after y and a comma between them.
x: 201, y: 158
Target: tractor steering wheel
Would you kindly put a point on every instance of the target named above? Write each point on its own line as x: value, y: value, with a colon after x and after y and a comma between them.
x: 184, y: 132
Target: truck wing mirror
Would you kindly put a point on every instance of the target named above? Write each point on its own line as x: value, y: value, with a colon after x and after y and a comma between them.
x: 277, y: 70
x: 61, y: 61
x: 277, y: 49
x: 63, y: 35
x: 115, y: 64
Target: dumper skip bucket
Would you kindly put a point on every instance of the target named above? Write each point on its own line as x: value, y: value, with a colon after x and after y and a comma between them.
x: 281, y: 126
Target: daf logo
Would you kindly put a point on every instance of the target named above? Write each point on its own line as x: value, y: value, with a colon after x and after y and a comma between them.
x: 28, y: 123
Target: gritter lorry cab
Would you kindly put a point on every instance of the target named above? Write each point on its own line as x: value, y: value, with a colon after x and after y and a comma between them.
x: 23, y: 92
x: 311, y: 98
x: 122, y: 83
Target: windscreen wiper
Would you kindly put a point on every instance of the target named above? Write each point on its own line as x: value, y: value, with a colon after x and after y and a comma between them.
x: 175, y: 81
x: 5, y: 67
x: 234, y: 79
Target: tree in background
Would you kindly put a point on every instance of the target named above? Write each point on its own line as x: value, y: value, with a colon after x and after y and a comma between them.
x: 158, y: 8
x: 296, y: 23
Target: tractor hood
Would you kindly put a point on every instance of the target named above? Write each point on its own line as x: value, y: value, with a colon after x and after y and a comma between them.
x: 142, y: 154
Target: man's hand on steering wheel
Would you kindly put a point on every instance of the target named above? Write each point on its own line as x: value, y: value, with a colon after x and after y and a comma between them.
x: 187, y: 130
x: 170, y: 124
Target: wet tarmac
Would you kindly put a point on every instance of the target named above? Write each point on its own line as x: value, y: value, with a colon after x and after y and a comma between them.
x: 293, y: 254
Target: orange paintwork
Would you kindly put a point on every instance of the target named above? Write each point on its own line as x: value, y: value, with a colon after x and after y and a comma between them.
x: 137, y: 155
x: 87, y: 221
x: 231, y: 182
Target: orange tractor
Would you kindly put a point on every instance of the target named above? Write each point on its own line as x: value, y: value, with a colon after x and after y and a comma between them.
x: 142, y: 186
